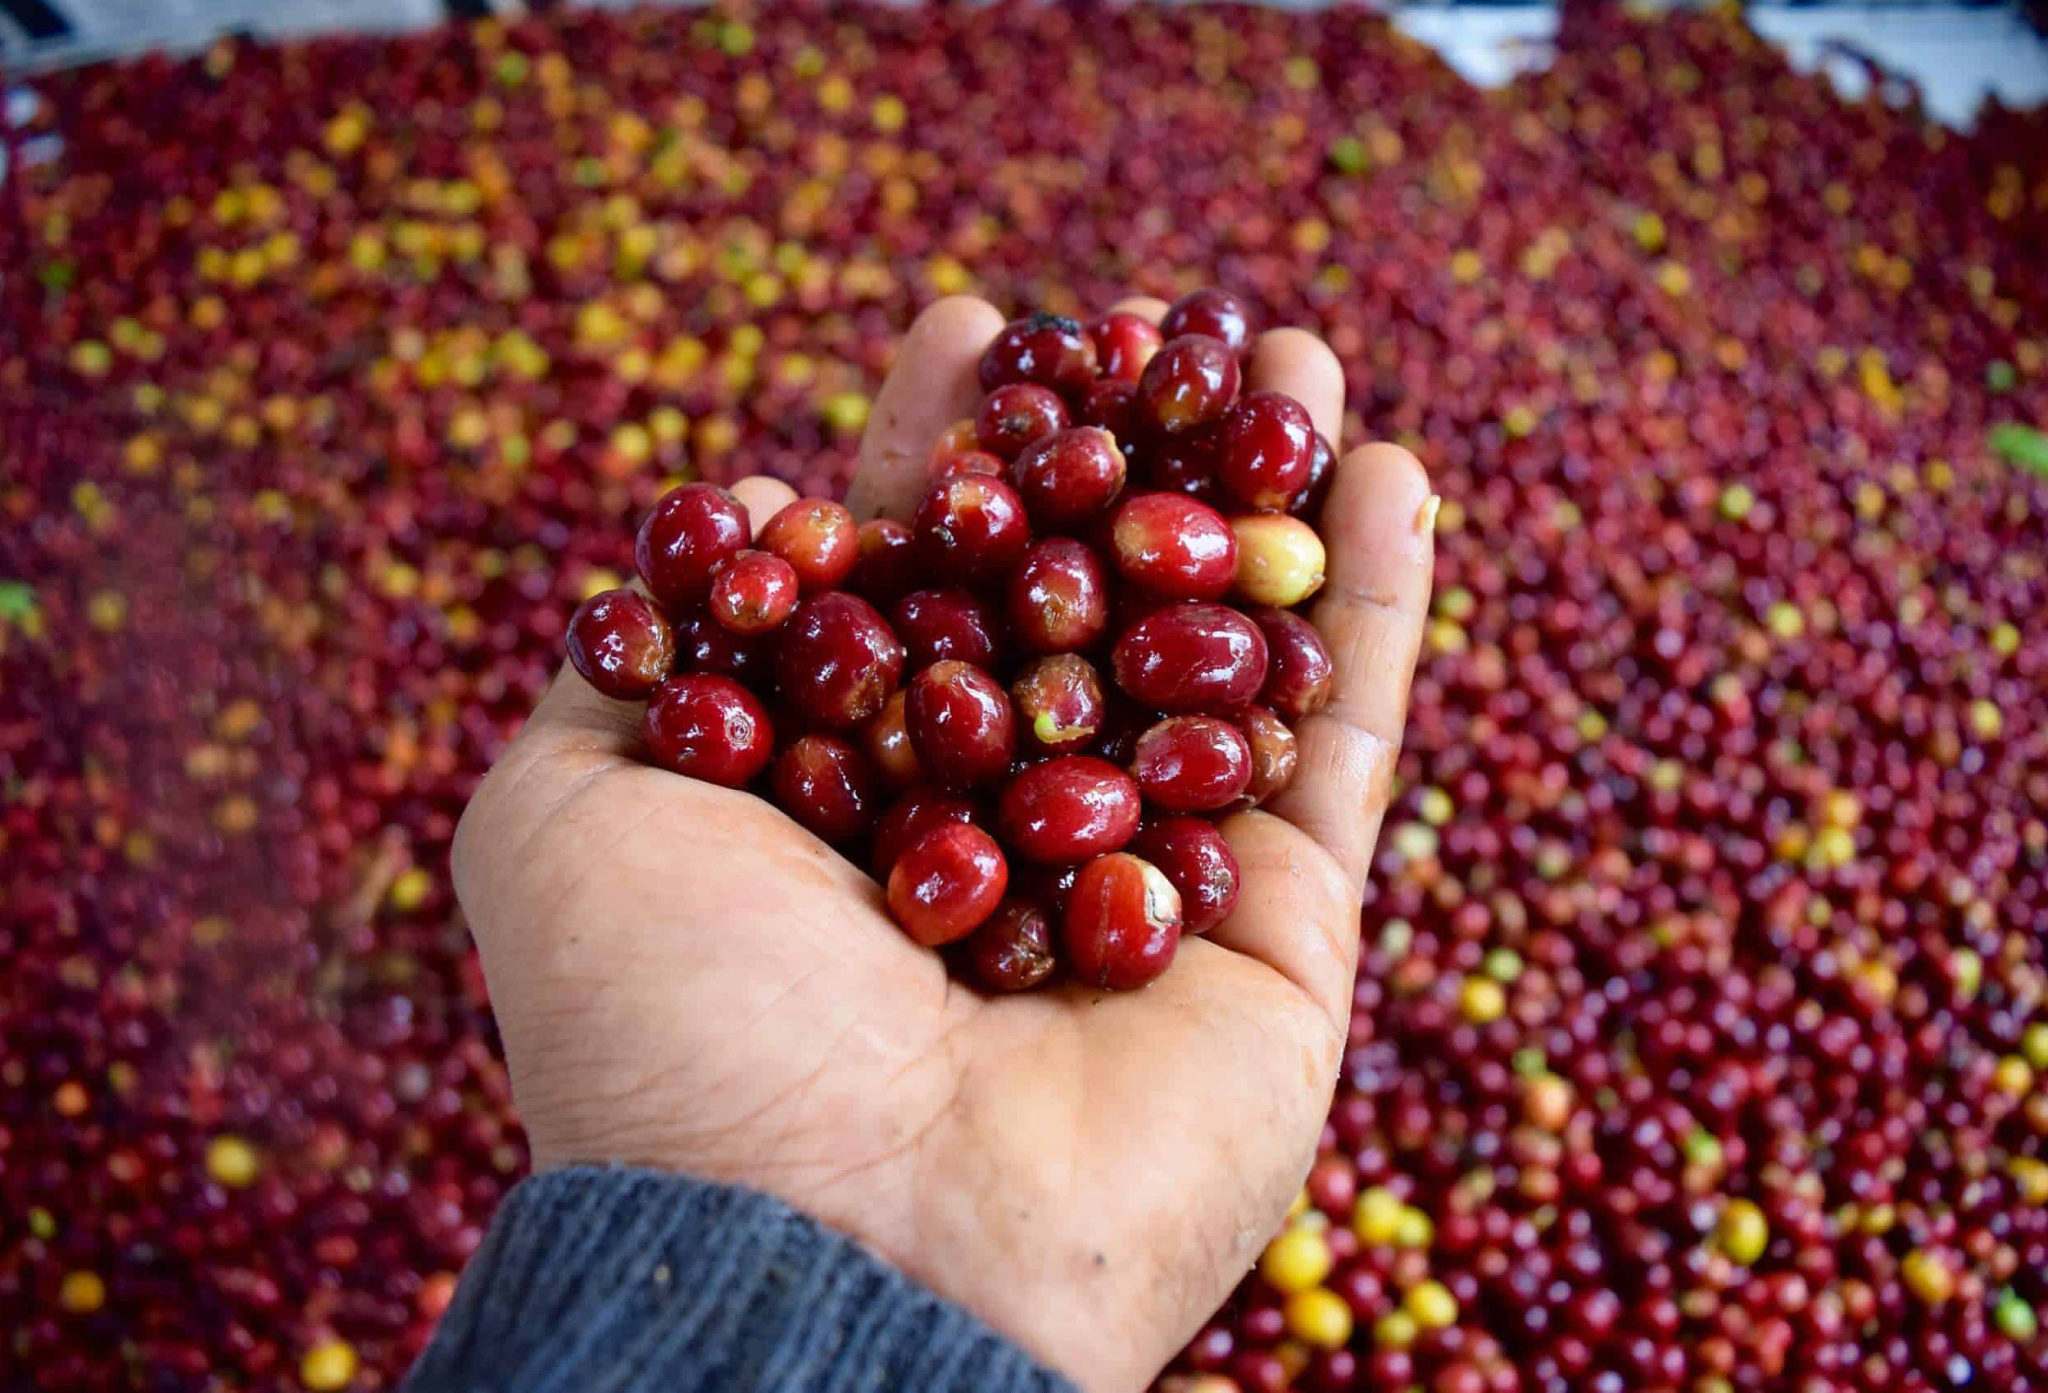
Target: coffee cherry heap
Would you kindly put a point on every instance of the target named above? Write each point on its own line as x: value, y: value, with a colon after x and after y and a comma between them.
x: 1058, y: 680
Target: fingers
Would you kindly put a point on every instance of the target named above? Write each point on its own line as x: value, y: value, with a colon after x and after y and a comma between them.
x: 1380, y: 525
x: 1298, y: 363
x: 933, y: 383
x: 1146, y: 307
x: 1296, y: 911
x: 763, y: 497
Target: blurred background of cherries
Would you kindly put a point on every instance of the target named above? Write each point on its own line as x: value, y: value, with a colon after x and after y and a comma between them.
x: 1700, y: 1043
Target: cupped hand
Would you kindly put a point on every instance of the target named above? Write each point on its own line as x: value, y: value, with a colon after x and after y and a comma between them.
x: 687, y: 979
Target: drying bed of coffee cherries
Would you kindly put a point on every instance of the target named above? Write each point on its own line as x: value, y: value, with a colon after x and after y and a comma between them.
x: 1700, y: 1041
x: 1017, y: 706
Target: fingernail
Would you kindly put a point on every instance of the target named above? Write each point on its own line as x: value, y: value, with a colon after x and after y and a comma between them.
x: 1425, y: 516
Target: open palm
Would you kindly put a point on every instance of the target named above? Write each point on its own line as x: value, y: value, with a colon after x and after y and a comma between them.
x: 687, y: 979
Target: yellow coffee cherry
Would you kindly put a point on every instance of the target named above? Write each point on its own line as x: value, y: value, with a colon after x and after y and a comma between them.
x: 1280, y: 559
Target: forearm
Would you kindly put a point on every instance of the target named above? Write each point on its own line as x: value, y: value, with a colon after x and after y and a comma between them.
x: 618, y: 1281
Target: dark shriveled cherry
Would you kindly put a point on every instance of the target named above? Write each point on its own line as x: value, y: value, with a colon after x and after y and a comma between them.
x: 708, y: 727
x: 620, y: 643
x: 1013, y: 950
x: 1194, y: 855
x: 1301, y: 675
x: 1274, y: 753
x: 886, y: 741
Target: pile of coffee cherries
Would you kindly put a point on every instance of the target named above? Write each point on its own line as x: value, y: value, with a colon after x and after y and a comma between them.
x: 1022, y: 709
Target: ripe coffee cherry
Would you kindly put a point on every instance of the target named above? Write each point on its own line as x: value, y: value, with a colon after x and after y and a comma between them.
x: 887, y: 567
x: 752, y: 593
x: 1184, y: 463
x: 1069, y: 477
x: 1274, y: 753
x: 1174, y: 546
x: 1058, y: 597
x: 620, y: 643
x: 1068, y: 809
x: 909, y: 818
x: 1199, y: 862
x: 1301, y: 676
x: 1059, y: 703
x: 955, y: 439
x: 1122, y: 922
x: 970, y: 462
x: 1013, y: 949
x: 939, y: 624
x: 886, y: 739
x: 1280, y: 559
x: 837, y: 660
x: 1124, y: 343
x: 704, y: 645
x: 970, y: 529
x: 1044, y: 885
x: 827, y: 785
x: 692, y: 531
x: 710, y: 728
x: 1268, y: 442
x: 1192, y: 764
x: 1322, y: 472
x: 1211, y: 311
x: 1188, y: 384
x: 946, y: 883
x: 1015, y: 416
x: 1191, y: 657
x: 960, y: 724
x: 818, y: 538
x: 1107, y: 406
x: 1048, y: 349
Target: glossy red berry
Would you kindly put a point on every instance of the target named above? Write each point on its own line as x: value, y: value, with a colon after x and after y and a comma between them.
x: 1184, y: 463
x: 1322, y: 473
x: 620, y: 643
x: 1058, y: 597
x: 1216, y: 313
x: 1122, y: 922
x: 887, y: 568
x: 1174, y: 546
x: 752, y: 594
x: 1274, y: 753
x: 837, y: 660
x: 938, y: 624
x: 1266, y: 448
x: 1197, y: 858
x: 1016, y: 416
x: 818, y: 538
x: 886, y: 740
x: 691, y: 532
x: 1068, y: 809
x: 1048, y: 349
x: 1124, y: 343
x: 825, y: 784
x: 969, y: 529
x: 969, y: 462
x: 955, y: 439
x: 1059, y: 702
x: 946, y: 883
x: 708, y: 727
x: 909, y: 818
x: 1013, y: 950
x: 1189, y: 383
x: 1192, y: 764
x: 1191, y: 657
x: 960, y: 724
x: 1301, y: 675
x: 705, y: 645
x: 1069, y: 477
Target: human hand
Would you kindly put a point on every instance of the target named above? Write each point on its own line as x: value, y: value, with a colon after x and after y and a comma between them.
x: 686, y: 979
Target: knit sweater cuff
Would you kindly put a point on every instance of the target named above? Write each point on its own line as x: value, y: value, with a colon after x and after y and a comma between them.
x: 631, y: 1281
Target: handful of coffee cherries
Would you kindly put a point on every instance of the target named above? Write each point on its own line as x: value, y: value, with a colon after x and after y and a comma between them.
x: 1024, y: 709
